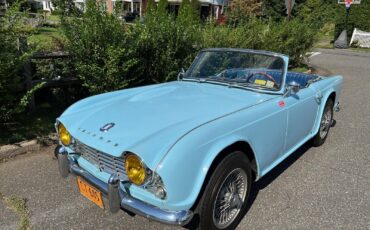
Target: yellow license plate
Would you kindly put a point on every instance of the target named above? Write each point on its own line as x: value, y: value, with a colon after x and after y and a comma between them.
x: 90, y: 192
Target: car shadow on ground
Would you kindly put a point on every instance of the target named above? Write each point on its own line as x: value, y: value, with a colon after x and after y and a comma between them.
x: 275, y: 173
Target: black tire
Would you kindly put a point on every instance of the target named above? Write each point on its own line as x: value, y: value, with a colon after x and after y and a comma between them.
x: 321, y: 136
x: 235, y: 162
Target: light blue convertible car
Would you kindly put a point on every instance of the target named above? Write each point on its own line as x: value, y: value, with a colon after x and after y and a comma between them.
x: 186, y: 152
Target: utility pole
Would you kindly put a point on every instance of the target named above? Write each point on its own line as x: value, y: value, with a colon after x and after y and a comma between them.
x: 289, y: 9
x: 289, y: 6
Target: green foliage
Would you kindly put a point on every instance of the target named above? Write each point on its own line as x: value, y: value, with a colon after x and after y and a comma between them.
x: 150, y: 7
x: 66, y: 8
x: 30, y: 126
x: 162, y: 7
x: 12, y: 57
x: 163, y: 44
x: 188, y: 13
x: 109, y: 56
x: 274, y: 9
x: 293, y: 38
x: 317, y: 12
x: 98, y: 43
x: 241, y: 11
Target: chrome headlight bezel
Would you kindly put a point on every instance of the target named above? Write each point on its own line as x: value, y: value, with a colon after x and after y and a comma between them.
x: 152, y: 183
x: 58, y: 125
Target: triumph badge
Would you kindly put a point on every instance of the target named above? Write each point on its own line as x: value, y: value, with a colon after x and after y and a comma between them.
x: 107, y: 127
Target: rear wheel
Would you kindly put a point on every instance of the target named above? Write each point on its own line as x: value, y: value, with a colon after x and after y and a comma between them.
x: 225, y: 198
x: 325, y: 124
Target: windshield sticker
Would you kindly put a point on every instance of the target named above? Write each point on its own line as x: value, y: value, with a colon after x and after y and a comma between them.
x: 281, y: 103
x: 260, y: 82
x: 270, y: 84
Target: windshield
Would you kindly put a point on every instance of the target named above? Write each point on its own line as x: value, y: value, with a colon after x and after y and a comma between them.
x: 243, y: 68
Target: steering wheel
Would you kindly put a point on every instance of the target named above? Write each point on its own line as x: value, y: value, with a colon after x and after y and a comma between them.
x: 265, y: 75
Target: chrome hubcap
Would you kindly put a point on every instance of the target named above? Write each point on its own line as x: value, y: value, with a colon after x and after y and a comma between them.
x: 325, y: 123
x: 230, y: 198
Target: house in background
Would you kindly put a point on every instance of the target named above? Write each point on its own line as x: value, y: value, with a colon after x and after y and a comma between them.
x: 42, y: 5
x: 208, y: 8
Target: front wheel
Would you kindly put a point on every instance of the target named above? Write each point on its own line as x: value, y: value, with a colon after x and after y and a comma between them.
x: 325, y: 124
x: 225, y: 198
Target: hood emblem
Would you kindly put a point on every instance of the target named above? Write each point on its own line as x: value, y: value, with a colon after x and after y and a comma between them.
x: 107, y: 127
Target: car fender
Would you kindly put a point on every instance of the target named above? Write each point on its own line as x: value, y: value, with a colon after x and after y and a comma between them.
x: 333, y: 87
x: 184, y: 174
x: 184, y: 168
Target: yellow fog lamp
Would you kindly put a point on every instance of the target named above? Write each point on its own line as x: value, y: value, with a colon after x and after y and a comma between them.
x: 135, y: 169
x: 64, y: 135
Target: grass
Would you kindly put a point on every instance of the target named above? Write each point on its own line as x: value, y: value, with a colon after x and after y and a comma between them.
x: 47, y: 38
x: 53, y: 18
x: 27, y: 127
x: 360, y: 49
x: 18, y: 206
x: 326, y: 37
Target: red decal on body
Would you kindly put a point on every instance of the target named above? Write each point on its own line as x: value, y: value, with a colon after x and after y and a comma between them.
x: 281, y: 103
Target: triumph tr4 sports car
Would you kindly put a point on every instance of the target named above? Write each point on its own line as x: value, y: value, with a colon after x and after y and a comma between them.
x: 186, y: 152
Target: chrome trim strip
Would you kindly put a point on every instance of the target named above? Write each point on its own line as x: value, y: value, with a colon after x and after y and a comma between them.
x: 117, y: 198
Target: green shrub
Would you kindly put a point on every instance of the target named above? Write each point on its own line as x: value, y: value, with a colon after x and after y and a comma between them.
x: 293, y: 38
x: 110, y: 56
x: 163, y: 43
x: 12, y: 57
x: 317, y: 13
x: 98, y: 43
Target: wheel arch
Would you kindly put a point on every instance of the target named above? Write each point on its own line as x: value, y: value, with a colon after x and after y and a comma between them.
x: 240, y: 145
x: 332, y: 96
x: 329, y: 95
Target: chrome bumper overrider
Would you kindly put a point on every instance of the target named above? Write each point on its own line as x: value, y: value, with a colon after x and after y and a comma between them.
x: 117, y: 198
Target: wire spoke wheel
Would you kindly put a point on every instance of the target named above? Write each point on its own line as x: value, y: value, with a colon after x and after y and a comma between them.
x: 326, y: 121
x: 230, y: 198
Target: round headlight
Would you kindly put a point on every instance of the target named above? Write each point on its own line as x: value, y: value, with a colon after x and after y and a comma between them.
x: 135, y: 169
x: 64, y: 135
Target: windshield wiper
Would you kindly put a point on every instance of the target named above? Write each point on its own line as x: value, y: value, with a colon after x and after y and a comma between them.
x: 205, y: 79
x: 220, y: 80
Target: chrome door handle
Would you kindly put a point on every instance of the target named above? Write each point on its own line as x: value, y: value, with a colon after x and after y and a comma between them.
x: 319, y: 97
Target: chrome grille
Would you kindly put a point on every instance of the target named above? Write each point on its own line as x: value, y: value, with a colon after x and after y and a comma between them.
x: 103, y: 161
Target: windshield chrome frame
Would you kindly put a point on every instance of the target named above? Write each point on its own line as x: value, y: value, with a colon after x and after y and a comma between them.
x: 281, y: 89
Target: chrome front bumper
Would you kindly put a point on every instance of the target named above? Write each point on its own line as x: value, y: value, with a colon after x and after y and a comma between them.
x: 119, y: 199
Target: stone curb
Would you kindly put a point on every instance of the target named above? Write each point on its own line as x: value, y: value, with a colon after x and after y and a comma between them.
x: 10, y: 151
x: 13, y: 150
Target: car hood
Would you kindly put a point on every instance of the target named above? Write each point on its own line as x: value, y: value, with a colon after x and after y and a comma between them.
x: 149, y: 120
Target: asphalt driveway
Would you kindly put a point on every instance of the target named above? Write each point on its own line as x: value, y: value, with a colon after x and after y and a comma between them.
x: 316, y: 188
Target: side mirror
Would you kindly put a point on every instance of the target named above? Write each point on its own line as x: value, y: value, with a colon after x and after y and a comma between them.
x: 181, y: 74
x: 292, y: 87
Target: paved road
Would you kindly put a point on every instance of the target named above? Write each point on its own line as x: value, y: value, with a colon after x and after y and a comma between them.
x: 315, y: 188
